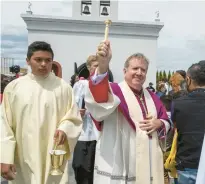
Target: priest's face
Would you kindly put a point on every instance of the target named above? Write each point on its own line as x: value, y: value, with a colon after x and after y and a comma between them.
x: 41, y: 63
x: 135, y: 73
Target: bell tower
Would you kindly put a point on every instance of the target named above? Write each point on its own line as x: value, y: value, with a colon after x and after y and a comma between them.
x: 86, y: 8
x: 95, y: 9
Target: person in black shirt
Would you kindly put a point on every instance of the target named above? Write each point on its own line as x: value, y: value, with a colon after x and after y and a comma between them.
x: 189, y: 117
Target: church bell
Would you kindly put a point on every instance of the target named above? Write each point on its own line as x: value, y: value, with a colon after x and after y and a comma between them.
x: 86, y: 10
x: 104, y: 11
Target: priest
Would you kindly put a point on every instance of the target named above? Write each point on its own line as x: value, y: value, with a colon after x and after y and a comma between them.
x: 38, y: 111
x: 134, y: 123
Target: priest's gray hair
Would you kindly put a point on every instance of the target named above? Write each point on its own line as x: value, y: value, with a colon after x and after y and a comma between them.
x: 139, y: 56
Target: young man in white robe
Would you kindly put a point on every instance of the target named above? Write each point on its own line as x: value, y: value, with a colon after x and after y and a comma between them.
x: 134, y: 120
x: 38, y: 111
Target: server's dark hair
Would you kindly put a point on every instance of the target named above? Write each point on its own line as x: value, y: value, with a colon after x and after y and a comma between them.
x: 39, y: 46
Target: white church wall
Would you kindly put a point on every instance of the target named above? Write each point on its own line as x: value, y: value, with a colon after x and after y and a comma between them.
x: 74, y: 38
x: 69, y: 48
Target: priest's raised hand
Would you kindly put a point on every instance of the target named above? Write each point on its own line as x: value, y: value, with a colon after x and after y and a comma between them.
x: 104, y: 55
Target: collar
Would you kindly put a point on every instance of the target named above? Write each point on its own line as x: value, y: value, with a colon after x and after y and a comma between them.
x: 139, y: 93
x: 40, y: 78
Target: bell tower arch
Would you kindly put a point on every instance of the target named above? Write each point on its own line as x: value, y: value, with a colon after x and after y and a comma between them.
x: 95, y: 9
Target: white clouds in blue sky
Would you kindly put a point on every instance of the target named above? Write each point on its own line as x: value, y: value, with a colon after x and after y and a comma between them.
x: 181, y: 41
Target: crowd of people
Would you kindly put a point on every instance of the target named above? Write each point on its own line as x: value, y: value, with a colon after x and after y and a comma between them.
x: 184, y: 101
x: 117, y: 132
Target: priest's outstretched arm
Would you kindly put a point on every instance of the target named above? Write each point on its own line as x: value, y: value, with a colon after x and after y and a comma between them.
x: 99, y: 99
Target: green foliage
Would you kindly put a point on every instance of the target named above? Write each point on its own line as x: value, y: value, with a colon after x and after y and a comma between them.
x: 157, y: 76
x: 160, y: 75
x: 169, y: 75
x: 164, y: 75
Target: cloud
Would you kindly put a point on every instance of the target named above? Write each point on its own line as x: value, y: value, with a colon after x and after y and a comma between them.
x: 7, y: 43
x: 57, y: 9
x: 180, y: 58
x: 14, y: 43
x: 181, y: 41
x: 14, y: 30
x: 11, y: 10
x: 14, y: 35
x: 197, y: 44
x: 8, y: 38
x: 67, y: 2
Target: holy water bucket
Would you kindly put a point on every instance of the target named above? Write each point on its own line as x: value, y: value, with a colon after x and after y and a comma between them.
x: 57, y: 159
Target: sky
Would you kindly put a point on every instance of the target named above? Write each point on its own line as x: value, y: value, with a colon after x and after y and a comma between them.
x: 181, y: 41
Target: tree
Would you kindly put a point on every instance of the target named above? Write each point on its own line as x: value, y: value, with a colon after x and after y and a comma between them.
x: 157, y: 76
x: 160, y: 75
x: 169, y: 75
x: 164, y: 75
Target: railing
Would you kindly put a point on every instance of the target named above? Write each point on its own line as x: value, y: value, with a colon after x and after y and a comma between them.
x: 6, y: 62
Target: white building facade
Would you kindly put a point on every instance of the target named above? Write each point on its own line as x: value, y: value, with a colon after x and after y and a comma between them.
x: 74, y: 39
